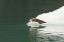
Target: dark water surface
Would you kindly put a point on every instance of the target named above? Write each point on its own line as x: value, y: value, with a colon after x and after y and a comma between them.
x: 22, y: 33
x: 14, y: 33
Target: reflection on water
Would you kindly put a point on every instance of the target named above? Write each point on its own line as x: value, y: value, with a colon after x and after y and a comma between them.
x: 47, y: 34
x: 33, y: 34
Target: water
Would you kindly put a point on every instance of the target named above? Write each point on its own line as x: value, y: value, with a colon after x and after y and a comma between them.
x: 22, y: 33
x: 14, y: 33
x: 47, y: 33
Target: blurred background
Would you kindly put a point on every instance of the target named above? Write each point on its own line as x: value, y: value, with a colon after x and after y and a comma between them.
x: 14, y: 14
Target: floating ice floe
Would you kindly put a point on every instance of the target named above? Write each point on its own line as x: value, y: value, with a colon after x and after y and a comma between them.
x: 54, y: 17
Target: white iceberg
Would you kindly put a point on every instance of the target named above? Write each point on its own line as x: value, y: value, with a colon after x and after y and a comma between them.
x: 54, y: 17
x: 33, y: 24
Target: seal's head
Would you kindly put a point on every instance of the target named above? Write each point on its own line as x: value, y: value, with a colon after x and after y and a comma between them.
x: 37, y: 20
